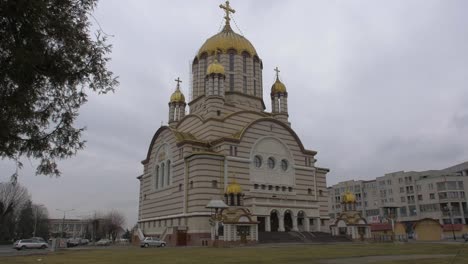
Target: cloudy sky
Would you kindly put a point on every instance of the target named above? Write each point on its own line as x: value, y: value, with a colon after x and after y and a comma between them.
x: 374, y: 87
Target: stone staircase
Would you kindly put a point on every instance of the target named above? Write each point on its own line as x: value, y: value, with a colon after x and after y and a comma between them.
x: 299, y: 237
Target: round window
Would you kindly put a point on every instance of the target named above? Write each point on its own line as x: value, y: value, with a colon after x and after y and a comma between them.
x: 284, y: 165
x: 271, y: 162
x: 258, y: 161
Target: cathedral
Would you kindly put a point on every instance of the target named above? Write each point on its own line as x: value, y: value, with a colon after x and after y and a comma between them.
x: 226, y: 169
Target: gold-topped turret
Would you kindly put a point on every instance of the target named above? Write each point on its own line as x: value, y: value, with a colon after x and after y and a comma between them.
x: 348, y: 197
x: 278, y: 86
x: 215, y: 68
x: 177, y: 96
x: 233, y: 188
x: 227, y: 39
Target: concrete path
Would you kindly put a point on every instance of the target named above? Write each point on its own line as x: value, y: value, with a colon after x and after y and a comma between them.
x: 375, y: 259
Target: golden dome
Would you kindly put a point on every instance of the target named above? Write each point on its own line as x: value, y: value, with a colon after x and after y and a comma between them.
x: 278, y: 87
x: 215, y: 68
x: 177, y: 96
x: 233, y: 188
x: 226, y: 40
x: 348, y: 197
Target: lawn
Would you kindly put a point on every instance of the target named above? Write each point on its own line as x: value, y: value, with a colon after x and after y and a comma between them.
x: 261, y: 254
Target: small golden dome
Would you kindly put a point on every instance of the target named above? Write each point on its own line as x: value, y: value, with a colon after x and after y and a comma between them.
x: 278, y: 87
x: 177, y: 96
x: 233, y: 188
x: 348, y: 197
x: 226, y: 40
x: 215, y: 68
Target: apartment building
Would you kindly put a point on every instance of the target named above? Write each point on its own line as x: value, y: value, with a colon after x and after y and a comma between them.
x: 409, y: 196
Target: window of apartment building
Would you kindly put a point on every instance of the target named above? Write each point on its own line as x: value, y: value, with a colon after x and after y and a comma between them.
x: 390, y: 191
x: 412, y: 210
x: 410, y: 198
x: 391, y: 200
x: 462, y: 194
x: 451, y: 185
x: 443, y: 195
x: 381, y: 183
x: 402, y: 189
x: 460, y: 185
x: 420, y: 197
x: 403, y: 211
x: 372, y: 212
x: 432, y: 196
x: 389, y: 182
x: 403, y: 199
x: 441, y: 186
x: 337, y: 191
x: 357, y: 188
x: 400, y: 180
x: 429, y: 208
x: 365, y: 195
x: 418, y: 187
x: 452, y: 195
x: 409, y: 189
x: 365, y: 204
x: 431, y: 186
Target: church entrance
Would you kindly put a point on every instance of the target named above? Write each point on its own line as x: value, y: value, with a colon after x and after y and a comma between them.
x: 261, y: 224
x: 288, y: 221
x: 274, y: 221
x: 181, y: 237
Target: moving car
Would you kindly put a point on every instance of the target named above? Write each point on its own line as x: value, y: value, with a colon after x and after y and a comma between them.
x: 152, y: 242
x: 29, y: 243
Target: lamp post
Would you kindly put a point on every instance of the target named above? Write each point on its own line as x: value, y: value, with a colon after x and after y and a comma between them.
x: 63, y: 220
x: 216, y: 205
x: 449, y: 208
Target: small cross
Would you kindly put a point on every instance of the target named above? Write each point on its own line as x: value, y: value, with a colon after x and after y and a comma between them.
x: 228, y: 10
x: 277, y: 72
x: 178, y: 81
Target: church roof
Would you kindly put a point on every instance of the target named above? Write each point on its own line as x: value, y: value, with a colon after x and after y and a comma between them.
x: 233, y: 188
x: 226, y: 40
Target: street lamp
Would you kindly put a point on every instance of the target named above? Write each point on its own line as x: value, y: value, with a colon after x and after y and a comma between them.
x: 63, y: 221
x: 216, y: 205
x: 449, y: 208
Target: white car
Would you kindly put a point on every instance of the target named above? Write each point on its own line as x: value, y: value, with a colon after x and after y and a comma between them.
x: 103, y: 242
x: 152, y: 242
x: 29, y: 243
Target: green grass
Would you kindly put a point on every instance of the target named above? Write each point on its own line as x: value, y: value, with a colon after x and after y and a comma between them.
x: 273, y: 254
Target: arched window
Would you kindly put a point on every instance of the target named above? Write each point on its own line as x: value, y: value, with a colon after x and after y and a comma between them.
x: 271, y: 162
x: 258, y: 161
x: 156, y: 180
x: 284, y: 165
x: 162, y: 175
x: 238, y: 199
x: 309, y: 191
x: 168, y: 177
x: 231, y: 202
x: 231, y: 61
x: 244, y: 63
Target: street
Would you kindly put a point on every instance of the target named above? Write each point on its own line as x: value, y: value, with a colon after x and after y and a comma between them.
x: 8, y: 250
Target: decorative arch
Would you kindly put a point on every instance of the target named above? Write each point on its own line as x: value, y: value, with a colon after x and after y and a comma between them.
x: 285, y: 126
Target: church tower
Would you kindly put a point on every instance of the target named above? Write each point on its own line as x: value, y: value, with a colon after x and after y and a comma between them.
x: 176, y: 105
x: 279, y: 99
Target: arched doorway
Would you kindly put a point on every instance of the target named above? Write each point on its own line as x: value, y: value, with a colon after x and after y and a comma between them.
x: 300, y: 221
x: 274, y: 221
x: 288, y: 225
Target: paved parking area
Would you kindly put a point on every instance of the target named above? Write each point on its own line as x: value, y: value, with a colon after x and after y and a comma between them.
x: 8, y: 250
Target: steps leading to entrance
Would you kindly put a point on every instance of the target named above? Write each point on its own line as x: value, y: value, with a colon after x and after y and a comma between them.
x: 299, y: 237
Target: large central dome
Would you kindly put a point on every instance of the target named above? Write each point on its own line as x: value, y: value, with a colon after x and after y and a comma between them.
x: 226, y: 40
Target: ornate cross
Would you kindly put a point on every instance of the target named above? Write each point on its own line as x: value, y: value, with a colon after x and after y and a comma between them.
x: 277, y: 72
x: 228, y: 10
x: 178, y: 81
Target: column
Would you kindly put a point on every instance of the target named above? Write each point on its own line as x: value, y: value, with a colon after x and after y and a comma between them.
x: 306, y: 222
x: 267, y: 224
x: 171, y: 113
x: 294, y: 222
x: 281, y: 223
x: 462, y: 213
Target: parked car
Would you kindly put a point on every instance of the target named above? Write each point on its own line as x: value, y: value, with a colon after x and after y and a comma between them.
x: 152, y: 242
x: 29, y: 243
x: 84, y: 241
x: 73, y: 242
x: 103, y: 242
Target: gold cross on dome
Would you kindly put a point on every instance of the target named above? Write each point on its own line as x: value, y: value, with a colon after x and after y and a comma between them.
x: 277, y: 72
x: 178, y: 81
x: 228, y: 10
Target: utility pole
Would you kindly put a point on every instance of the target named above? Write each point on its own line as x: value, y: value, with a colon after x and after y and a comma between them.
x: 63, y: 220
